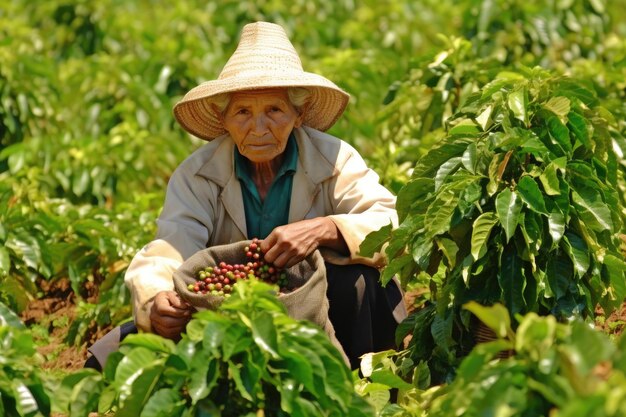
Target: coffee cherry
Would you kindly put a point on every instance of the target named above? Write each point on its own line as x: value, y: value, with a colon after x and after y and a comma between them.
x: 218, y: 280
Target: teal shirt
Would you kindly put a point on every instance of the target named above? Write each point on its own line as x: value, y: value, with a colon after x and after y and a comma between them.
x: 263, y: 217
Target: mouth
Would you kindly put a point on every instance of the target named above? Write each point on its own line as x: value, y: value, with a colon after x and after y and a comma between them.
x: 259, y: 146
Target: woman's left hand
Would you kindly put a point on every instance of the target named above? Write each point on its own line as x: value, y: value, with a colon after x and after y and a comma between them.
x: 287, y: 245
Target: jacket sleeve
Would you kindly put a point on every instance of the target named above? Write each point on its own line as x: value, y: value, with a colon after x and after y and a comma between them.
x: 361, y: 205
x: 184, y: 227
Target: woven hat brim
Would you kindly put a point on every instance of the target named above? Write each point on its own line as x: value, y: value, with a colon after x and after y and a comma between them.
x: 194, y: 113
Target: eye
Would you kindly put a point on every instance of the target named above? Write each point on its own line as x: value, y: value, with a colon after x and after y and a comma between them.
x: 274, y: 109
x: 242, y: 111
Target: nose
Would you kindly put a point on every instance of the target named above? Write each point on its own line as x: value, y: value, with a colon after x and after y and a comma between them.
x: 260, y: 127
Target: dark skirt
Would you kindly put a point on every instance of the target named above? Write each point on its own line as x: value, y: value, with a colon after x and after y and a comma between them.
x: 364, y: 313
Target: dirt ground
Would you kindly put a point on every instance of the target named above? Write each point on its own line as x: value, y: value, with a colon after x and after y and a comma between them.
x: 57, y: 310
x: 55, y: 313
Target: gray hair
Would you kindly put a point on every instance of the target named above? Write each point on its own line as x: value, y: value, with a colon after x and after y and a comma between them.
x: 298, y: 96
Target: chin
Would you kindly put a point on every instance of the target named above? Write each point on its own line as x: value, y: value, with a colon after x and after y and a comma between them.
x: 261, y: 157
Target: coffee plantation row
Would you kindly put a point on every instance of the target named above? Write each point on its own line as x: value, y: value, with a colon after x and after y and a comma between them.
x: 500, y: 125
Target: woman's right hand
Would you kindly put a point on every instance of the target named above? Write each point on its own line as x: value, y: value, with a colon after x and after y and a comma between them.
x: 169, y: 314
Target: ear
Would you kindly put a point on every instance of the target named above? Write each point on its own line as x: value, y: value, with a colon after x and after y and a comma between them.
x: 218, y: 113
x: 302, y: 112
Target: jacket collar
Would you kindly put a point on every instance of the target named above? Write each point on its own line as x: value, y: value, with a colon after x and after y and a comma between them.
x: 313, y: 168
x: 219, y: 168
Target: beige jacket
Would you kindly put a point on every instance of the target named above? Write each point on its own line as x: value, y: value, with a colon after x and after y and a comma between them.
x: 204, y: 207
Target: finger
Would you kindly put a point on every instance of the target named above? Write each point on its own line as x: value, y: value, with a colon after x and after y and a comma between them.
x: 287, y: 259
x: 267, y: 243
x: 166, y: 322
x: 170, y: 333
x: 269, y: 248
x: 177, y: 302
x: 168, y: 326
x: 162, y: 307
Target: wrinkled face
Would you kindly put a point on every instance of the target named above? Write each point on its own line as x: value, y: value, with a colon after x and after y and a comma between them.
x: 260, y: 121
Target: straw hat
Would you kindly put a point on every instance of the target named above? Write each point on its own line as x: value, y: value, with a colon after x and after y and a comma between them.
x: 264, y: 58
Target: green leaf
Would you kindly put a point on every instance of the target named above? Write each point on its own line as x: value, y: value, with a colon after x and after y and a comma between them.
x: 496, y: 317
x: 394, y: 267
x: 586, y: 349
x: 469, y: 158
x: 598, y: 6
x: 264, y: 333
x: 374, y: 241
x: 508, y: 208
x: 150, y: 341
x: 518, y: 101
x: 578, y: 125
x: 372, y: 361
x: 533, y: 145
x: 9, y: 318
x: 80, y: 183
x: 484, y: 118
x: 593, y: 211
x: 430, y: 163
x: 530, y: 193
x: 130, y: 367
x: 616, y: 268
x: 214, y: 334
x: 413, y: 194
x: 304, y: 363
x: 574, y: 89
x: 446, y: 169
x: 27, y: 247
x: 550, y: 180
x: 253, y: 368
x: 535, y: 334
x: 306, y: 408
x: 481, y: 230
x: 388, y: 378
x: 533, y: 231
x: 441, y: 330
x: 558, y: 105
x: 25, y: 401
x: 138, y: 389
x: 236, y: 339
x: 559, y: 132
x: 474, y: 363
x: 85, y: 395
x: 107, y: 399
x: 464, y: 128
x: 5, y: 261
x: 203, y: 375
x: 559, y: 273
x: 578, y: 252
x: 512, y: 280
x: 165, y: 402
x: 298, y: 366
x: 449, y: 249
x: 440, y: 212
x: 556, y: 224
x: 234, y: 373
x: 63, y: 392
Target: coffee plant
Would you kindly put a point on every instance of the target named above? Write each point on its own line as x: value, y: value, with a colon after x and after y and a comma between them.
x: 22, y: 389
x: 551, y: 369
x: 247, y: 358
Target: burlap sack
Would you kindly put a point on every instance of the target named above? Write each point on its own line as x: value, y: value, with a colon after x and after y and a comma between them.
x: 306, y: 302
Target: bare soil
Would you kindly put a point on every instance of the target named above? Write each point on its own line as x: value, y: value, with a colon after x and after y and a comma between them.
x: 614, y: 324
x: 56, y: 312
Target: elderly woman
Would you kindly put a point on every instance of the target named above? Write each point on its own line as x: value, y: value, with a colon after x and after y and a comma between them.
x: 269, y: 172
